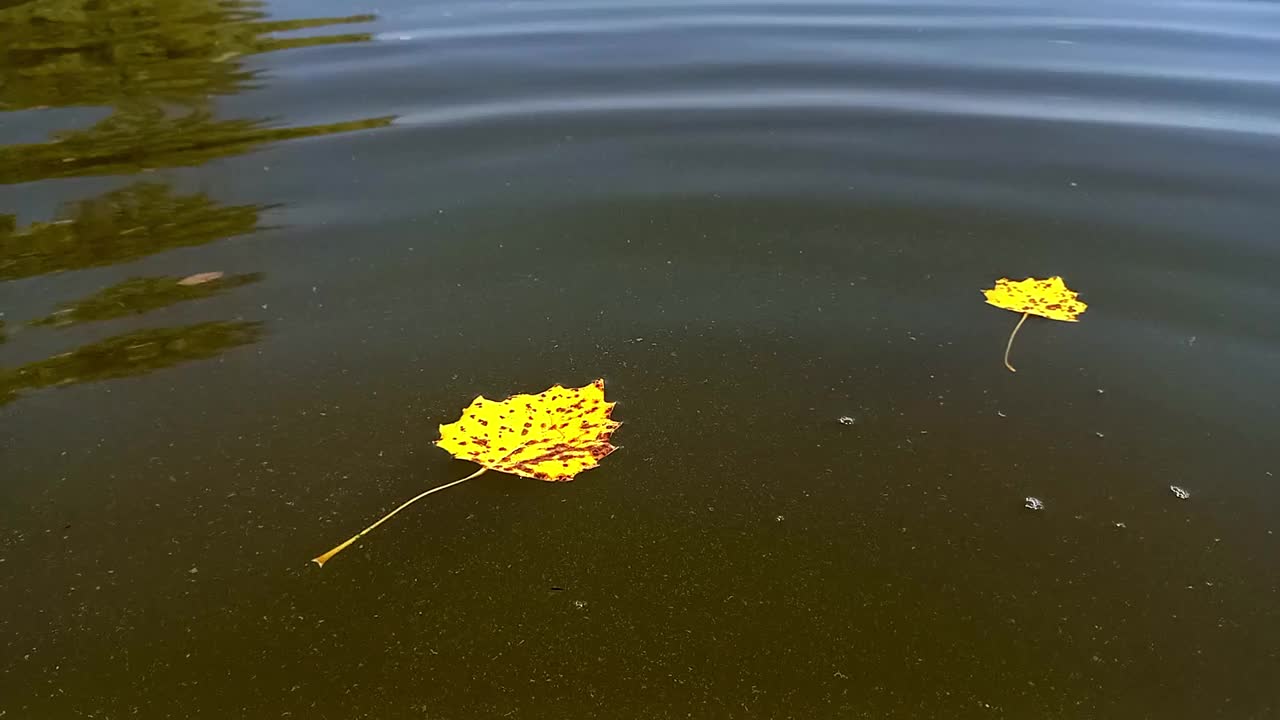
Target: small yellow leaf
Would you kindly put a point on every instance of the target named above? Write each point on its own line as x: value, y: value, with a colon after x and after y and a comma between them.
x: 553, y: 435
x: 1048, y: 298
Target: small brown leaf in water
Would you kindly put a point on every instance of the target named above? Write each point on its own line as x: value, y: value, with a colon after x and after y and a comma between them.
x: 200, y: 278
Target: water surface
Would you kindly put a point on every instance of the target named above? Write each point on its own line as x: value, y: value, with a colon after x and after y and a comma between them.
x: 751, y: 218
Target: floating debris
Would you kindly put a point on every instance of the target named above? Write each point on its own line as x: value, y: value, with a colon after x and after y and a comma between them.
x: 1179, y: 493
x: 200, y: 278
x: 1033, y: 503
x: 845, y: 420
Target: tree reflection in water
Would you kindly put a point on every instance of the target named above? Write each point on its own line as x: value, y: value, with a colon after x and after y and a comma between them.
x: 157, y: 65
x: 127, y: 355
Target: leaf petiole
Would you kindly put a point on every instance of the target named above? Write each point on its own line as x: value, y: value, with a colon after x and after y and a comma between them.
x: 1009, y: 347
x: 322, y: 559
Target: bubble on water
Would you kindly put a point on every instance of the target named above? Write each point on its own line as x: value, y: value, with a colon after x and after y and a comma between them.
x: 1033, y: 503
x: 845, y: 420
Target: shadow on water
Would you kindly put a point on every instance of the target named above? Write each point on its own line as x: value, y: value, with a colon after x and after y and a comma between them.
x: 157, y: 65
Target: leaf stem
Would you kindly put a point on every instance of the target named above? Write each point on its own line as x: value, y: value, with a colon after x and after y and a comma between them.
x: 322, y: 559
x: 1009, y: 347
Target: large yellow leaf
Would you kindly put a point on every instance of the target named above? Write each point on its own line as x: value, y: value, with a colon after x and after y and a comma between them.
x: 1049, y: 298
x: 553, y: 435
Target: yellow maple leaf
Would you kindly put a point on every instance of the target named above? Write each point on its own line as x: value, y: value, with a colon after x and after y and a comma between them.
x: 1049, y: 298
x: 553, y: 436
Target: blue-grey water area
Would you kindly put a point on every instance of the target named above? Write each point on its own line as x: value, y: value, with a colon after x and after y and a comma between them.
x: 253, y: 255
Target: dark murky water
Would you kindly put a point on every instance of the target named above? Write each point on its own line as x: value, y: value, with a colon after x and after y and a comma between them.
x: 751, y: 218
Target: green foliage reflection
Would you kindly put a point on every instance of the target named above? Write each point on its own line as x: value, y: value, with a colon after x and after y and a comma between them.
x: 59, y: 53
x: 146, y: 139
x: 157, y: 66
x: 127, y: 355
x: 140, y: 295
x: 123, y: 225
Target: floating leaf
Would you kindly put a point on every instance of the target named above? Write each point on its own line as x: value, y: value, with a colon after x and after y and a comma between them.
x: 1049, y: 298
x: 201, y: 278
x: 552, y: 436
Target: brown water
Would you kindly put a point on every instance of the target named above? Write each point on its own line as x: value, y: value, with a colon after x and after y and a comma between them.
x: 751, y: 219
